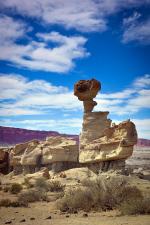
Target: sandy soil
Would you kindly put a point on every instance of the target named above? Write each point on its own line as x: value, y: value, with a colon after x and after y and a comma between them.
x: 38, y: 213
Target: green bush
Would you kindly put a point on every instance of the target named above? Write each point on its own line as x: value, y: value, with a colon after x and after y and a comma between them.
x: 15, y: 188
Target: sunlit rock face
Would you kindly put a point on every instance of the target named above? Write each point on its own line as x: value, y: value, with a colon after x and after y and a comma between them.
x: 56, y: 153
x: 100, y: 140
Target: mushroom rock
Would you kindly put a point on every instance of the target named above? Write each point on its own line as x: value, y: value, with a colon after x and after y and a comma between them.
x: 102, y: 143
x: 86, y: 90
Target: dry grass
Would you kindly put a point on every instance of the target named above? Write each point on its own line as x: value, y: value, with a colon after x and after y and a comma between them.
x: 15, y: 188
x: 100, y: 194
x: 55, y: 186
x: 8, y: 203
x: 32, y: 196
x: 135, y: 206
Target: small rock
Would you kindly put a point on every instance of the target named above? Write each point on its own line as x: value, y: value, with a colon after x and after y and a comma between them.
x: 16, y: 212
x: 22, y: 221
x: 75, y: 212
x: 85, y: 215
x: 8, y: 222
x: 49, y: 218
x: 32, y: 218
x: 67, y: 216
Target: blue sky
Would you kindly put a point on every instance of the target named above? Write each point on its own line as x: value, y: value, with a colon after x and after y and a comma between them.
x: 46, y: 46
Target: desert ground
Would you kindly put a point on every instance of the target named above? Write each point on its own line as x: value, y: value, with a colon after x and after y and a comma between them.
x: 43, y: 212
x: 38, y: 213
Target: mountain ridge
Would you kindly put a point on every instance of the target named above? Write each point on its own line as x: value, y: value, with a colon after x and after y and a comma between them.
x: 12, y: 136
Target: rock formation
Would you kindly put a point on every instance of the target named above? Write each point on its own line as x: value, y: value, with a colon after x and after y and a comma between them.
x: 86, y: 90
x: 102, y: 145
x: 4, y: 161
x: 56, y: 153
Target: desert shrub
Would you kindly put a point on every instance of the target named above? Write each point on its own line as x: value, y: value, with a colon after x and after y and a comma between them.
x: 55, y: 186
x: 5, y: 202
x: 6, y: 188
x: 32, y: 196
x: 27, y: 183
x: 99, y: 194
x: 41, y: 183
x: 8, y: 203
x: 135, y: 206
x: 15, y: 188
x: 76, y: 199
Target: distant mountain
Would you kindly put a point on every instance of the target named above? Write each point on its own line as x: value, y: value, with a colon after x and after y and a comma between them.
x: 11, y: 136
x: 143, y: 142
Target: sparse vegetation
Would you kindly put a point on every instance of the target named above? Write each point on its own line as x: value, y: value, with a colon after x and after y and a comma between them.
x: 41, y: 183
x: 8, y: 203
x: 6, y: 188
x: 32, y: 196
x: 5, y: 202
x: 15, y: 188
x: 99, y: 194
x: 135, y: 206
x: 27, y: 183
x: 55, y: 186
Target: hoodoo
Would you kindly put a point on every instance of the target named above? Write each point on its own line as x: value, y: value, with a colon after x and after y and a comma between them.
x: 102, y: 144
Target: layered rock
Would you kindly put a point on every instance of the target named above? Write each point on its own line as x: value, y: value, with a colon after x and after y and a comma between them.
x: 56, y: 153
x: 103, y: 145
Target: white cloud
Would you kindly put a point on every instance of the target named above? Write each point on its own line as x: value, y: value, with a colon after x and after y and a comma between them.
x: 142, y: 82
x: 26, y: 97
x: 86, y: 16
x: 70, y: 126
x: 39, y: 97
x: 11, y: 29
x: 21, y: 96
x: 128, y: 101
x: 136, y: 30
x: 38, y: 55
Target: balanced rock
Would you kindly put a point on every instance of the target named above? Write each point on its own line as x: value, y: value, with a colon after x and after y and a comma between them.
x: 101, y: 141
x: 86, y: 90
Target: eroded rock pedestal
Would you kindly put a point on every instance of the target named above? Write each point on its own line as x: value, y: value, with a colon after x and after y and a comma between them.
x: 103, y: 146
